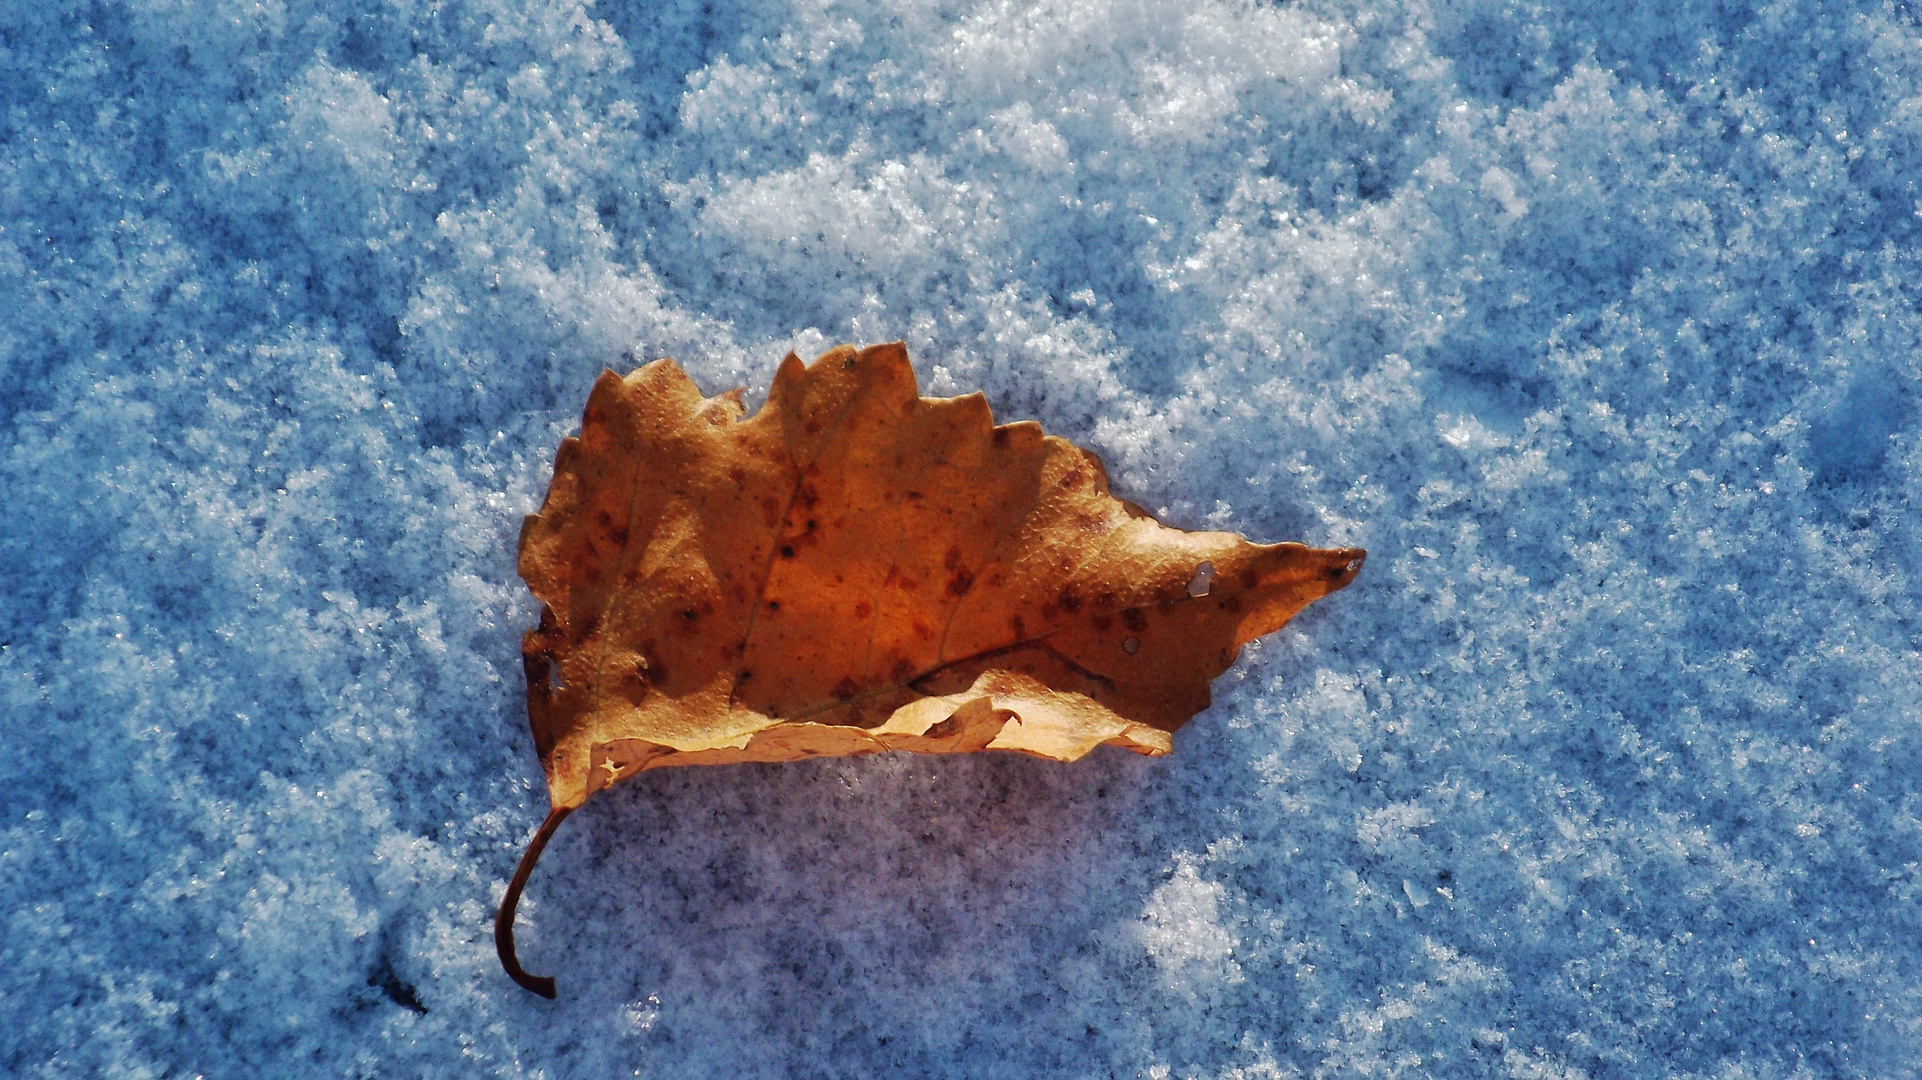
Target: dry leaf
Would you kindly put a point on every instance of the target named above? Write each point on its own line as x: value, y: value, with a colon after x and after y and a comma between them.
x: 857, y: 568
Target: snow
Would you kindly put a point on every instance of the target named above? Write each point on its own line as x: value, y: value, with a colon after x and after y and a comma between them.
x: 1600, y: 327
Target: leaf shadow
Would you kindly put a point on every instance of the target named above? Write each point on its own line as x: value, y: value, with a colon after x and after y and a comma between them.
x: 821, y: 898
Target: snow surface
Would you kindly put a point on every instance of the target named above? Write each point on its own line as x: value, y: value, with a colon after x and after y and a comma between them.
x: 1597, y: 324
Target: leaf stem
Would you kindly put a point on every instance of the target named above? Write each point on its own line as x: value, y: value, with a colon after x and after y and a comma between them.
x: 504, y: 918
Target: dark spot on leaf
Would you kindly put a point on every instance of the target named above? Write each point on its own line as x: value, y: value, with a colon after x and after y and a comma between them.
x: 1135, y: 619
x: 541, y: 671
x: 787, y: 551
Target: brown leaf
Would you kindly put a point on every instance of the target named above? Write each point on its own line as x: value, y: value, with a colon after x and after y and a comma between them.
x: 857, y: 568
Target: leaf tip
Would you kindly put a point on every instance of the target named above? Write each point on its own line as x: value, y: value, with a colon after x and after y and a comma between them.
x: 1344, y: 564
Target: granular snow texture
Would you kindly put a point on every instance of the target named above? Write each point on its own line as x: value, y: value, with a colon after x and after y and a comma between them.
x: 1600, y: 326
